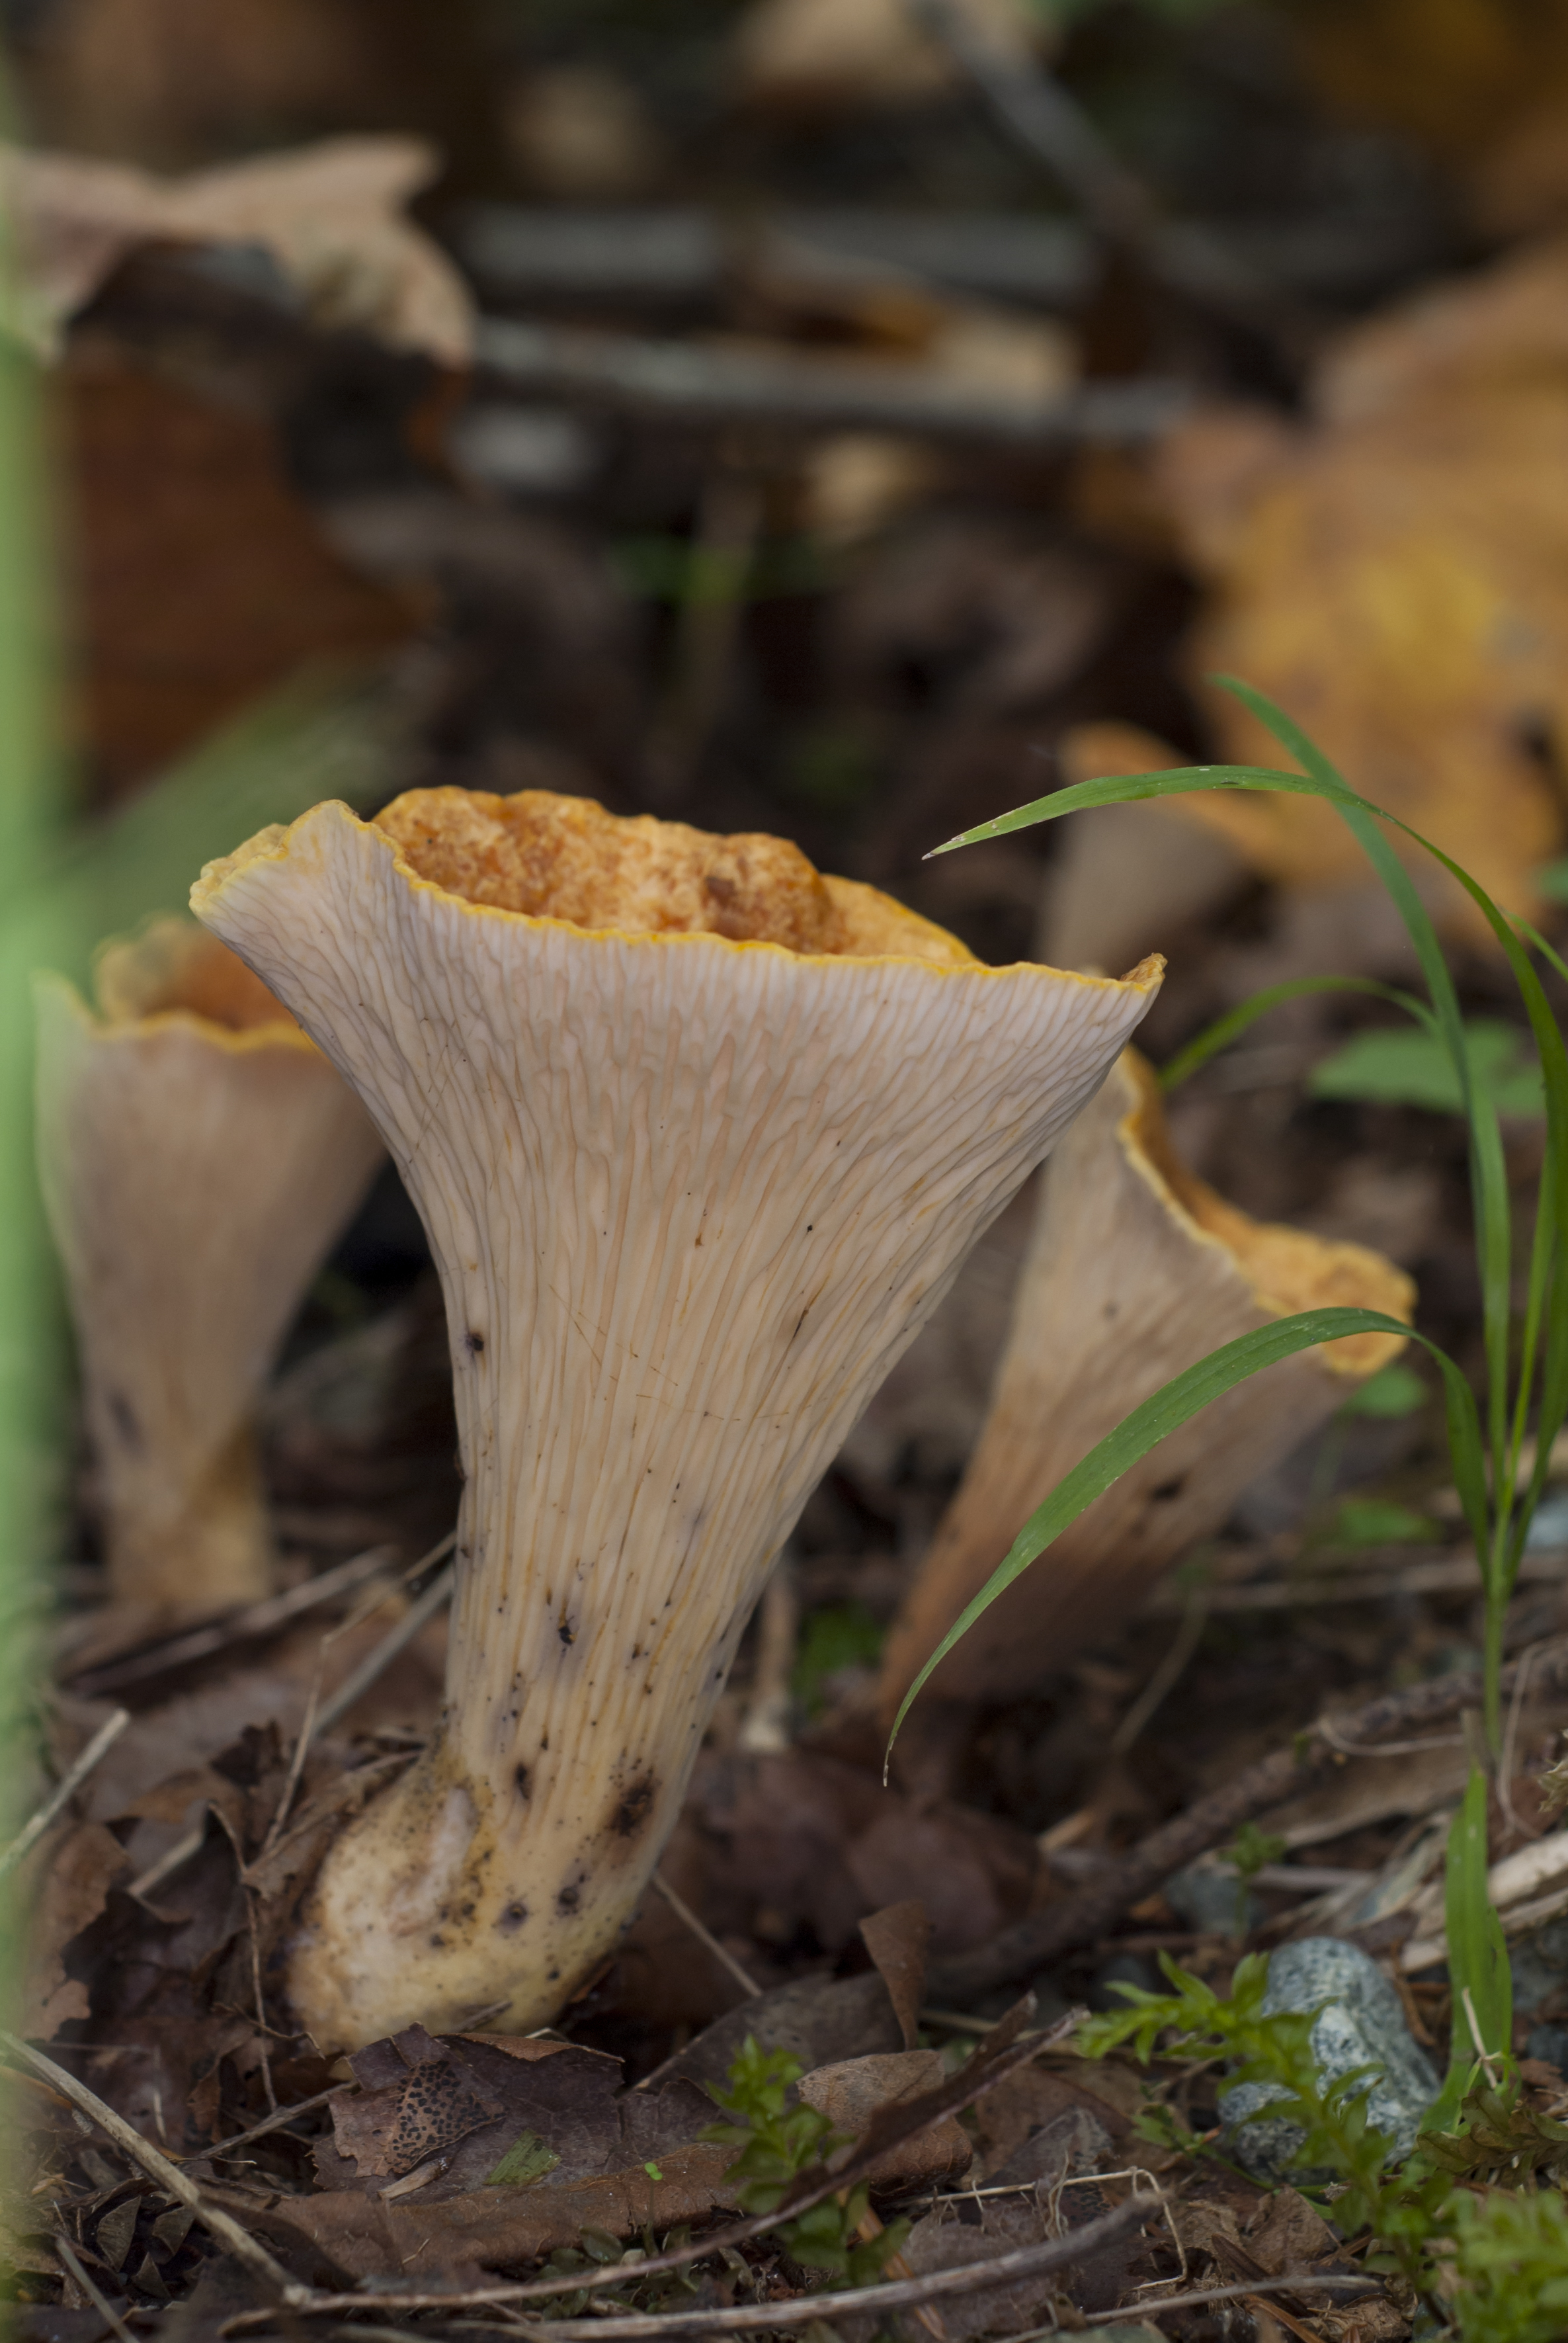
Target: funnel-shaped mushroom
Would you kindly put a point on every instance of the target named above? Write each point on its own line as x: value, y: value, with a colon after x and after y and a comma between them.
x: 1136, y: 1269
x: 198, y: 1156
x: 699, y: 1139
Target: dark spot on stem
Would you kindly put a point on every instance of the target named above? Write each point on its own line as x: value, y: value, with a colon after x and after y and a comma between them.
x: 1169, y: 1489
x: 476, y: 1342
x: 512, y: 1918
x: 569, y: 1898
x: 634, y: 1807
x: 566, y: 1632
x: 521, y: 1778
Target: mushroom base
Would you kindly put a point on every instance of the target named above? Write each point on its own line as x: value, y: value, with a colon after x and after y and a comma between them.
x: 433, y: 1904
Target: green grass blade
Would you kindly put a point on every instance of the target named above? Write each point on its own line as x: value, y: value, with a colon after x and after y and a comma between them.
x: 33, y: 803
x: 1172, y: 1405
x: 1132, y: 789
x: 1489, y: 1174
x: 1235, y: 1021
x: 1477, y: 1957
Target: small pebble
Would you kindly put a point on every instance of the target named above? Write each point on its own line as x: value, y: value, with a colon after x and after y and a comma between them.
x: 1361, y: 2023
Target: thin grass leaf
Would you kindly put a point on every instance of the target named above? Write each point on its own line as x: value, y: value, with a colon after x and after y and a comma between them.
x: 1172, y: 1405
x: 1235, y: 1021
x: 1489, y: 1174
x: 1478, y: 1970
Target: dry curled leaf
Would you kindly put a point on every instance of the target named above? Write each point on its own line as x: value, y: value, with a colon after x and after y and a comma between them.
x: 331, y: 216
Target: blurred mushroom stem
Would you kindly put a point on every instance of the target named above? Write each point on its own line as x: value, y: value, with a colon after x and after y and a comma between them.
x: 198, y: 1157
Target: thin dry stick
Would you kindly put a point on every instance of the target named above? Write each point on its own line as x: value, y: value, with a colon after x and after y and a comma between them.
x: 358, y: 1681
x: 1024, y: 2261
x: 100, y: 2302
x: 33, y: 1830
x: 1511, y: 1744
x: 183, y: 1847
x: 1035, y: 110
x: 1211, y: 2294
x: 698, y: 382
x: 1336, y: 1740
x: 372, y: 1600
x: 1166, y: 1676
x: 271, y: 2123
x: 1089, y: 1915
x: 303, y: 1740
x: 765, y: 1727
x: 261, y: 2029
x: 687, y: 1917
x: 264, y: 1618
x: 218, y: 2223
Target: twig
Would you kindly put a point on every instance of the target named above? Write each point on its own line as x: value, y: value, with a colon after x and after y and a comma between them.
x: 684, y: 1913
x: 700, y: 383
x: 188, y: 1843
x: 1511, y: 1744
x: 100, y: 2301
x: 263, y: 1618
x: 261, y: 2027
x: 1449, y: 1574
x: 1039, y: 116
x: 1286, y: 2285
x: 1089, y: 1915
x: 273, y: 2122
x: 765, y: 1727
x: 1024, y: 2261
x: 1336, y: 1740
x: 1166, y: 1676
x: 1009, y: 2049
x: 359, y: 1680
x: 898, y: 2294
x: 218, y: 2224
x: 33, y: 1830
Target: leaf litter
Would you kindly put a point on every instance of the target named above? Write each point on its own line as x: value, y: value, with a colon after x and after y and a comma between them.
x: 969, y: 614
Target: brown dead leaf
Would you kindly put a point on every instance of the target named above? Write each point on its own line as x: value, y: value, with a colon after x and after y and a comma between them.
x: 330, y: 214
x: 177, y: 634
x: 812, y: 1838
x: 460, y: 2102
x: 818, y: 2020
x: 496, y: 2229
x: 1028, y: 2103
x: 66, y: 1884
x: 1395, y: 581
x: 851, y: 2092
x: 897, y: 1941
x: 951, y: 2236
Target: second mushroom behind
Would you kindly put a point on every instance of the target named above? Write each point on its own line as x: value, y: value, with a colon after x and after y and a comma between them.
x: 199, y: 1158
x: 1135, y: 1271
x: 701, y: 1138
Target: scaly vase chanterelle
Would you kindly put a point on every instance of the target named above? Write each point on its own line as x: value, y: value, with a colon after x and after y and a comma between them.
x: 699, y: 1138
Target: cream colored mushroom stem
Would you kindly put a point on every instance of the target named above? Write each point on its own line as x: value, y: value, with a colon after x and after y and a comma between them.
x: 1135, y: 1271
x: 699, y: 1139
x: 198, y: 1156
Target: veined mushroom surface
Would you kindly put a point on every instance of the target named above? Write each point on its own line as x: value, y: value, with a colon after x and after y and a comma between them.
x: 1136, y: 1269
x: 198, y: 1157
x: 699, y: 1137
